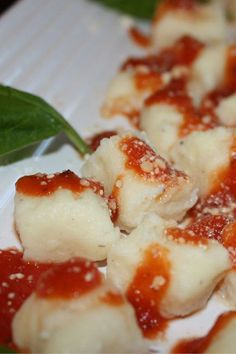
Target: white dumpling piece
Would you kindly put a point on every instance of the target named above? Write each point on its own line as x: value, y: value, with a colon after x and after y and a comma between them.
x: 161, y: 123
x: 60, y: 216
x: 226, y: 111
x: 139, y: 180
x: 198, y: 155
x: 207, y: 23
x: 207, y: 71
x: 87, y: 317
x: 184, y: 267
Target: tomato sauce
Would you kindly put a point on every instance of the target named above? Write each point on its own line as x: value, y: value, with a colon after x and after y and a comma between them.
x: 209, y: 226
x: 95, y: 140
x: 148, y: 288
x: 230, y: 71
x: 201, y: 345
x: 144, y: 162
x: 185, y: 236
x: 113, y: 299
x: 69, y: 279
x: 113, y: 199
x: 182, y: 53
x: 148, y: 81
x: 139, y: 37
x: 18, y: 279
x: 39, y: 185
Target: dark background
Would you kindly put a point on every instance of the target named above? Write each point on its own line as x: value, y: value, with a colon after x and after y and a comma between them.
x: 5, y: 4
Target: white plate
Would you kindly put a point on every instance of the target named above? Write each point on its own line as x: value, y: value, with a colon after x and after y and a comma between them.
x: 67, y: 51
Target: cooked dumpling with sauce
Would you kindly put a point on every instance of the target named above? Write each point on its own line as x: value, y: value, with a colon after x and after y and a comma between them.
x: 176, y: 18
x: 73, y: 311
x: 220, y: 339
x: 165, y: 270
x: 61, y: 216
x: 139, y: 180
x: 204, y: 156
x: 168, y: 115
x: 139, y: 77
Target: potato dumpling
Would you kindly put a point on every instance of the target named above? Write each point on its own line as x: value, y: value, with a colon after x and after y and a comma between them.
x: 175, y: 19
x: 73, y: 311
x: 61, y: 216
x: 198, y: 155
x: 226, y: 111
x: 173, y: 270
x: 139, y: 180
x: 161, y: 123
x: 207, y: 73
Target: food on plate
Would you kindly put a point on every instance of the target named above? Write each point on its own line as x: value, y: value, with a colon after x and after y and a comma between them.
x: 72, y: 310
x: 220, y: 339
x: 138, y: 78
x: 157, y: 203
x: 175, y: 18
x: 59, y: 216
x: 165, y: 271
x: 139, y: 180
x: 169, y: 114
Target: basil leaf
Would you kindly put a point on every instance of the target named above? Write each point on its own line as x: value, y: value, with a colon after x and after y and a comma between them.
x: 4, y: 349
x: 137, y: 8
x: 144, y: 9
x: 26, y: 119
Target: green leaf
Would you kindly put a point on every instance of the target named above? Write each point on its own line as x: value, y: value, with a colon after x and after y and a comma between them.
x: 144, y: 9
x: 138, y: 8
x: 4, y: 349
x: 26, y: 119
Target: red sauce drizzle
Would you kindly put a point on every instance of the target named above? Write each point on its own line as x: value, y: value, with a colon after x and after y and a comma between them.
x: 139, y: 37
x: 209, y: 226
x: 141, y: 159
x: 212, y: 99
x: 18, y: 279
x: 150, y: 80
x: 113, y: 199
x: 95, y: 140
x: 69, y: 279
x: 200, y: 345
x: 148, y: 288
x: 230, y: 73
x: 113, y: 299
x: 185, y: 236
x: 183, y: 52
x: 228, y: 240
x: 39, y: 185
